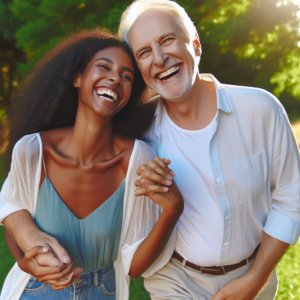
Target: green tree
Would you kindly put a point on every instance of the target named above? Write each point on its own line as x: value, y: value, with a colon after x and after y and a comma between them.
x: 246, y: 42
x: 252, y: 42
x: 46, y: 22
x: 10, y: 55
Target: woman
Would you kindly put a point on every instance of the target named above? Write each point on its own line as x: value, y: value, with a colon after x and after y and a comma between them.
x: 74, y: 168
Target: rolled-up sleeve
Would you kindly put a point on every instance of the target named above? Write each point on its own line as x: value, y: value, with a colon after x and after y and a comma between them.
x: 283, y: 220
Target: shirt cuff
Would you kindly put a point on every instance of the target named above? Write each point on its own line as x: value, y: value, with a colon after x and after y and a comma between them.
x: 7, y: 209
x: 282, y: 227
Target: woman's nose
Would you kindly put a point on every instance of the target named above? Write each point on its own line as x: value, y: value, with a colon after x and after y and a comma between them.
x: 115, y: 79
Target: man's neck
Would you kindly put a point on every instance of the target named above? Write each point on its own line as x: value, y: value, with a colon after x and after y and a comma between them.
x: 197, y: 108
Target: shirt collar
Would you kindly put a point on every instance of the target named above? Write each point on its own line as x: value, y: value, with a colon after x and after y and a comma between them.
x: 222, y: 103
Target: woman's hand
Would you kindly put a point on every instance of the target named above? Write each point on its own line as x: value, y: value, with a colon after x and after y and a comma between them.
x: 157, y: 183
x: 45, y: 267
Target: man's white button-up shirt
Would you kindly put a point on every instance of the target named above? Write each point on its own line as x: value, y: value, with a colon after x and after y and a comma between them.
x: 255, y: 161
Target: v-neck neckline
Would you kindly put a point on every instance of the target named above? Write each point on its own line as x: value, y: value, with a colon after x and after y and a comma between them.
x: 63, y: 202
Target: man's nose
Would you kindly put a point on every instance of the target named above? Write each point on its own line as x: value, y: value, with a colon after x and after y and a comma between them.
x: 159, y: 58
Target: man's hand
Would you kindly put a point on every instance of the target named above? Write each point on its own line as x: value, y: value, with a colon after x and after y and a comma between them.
x: 39, y: 261
x: 157, y: 183
x: 156, y: 177
x: 24, y: 231
x: 243, y: 288
x: 248, y: 286
x: 49, y: 269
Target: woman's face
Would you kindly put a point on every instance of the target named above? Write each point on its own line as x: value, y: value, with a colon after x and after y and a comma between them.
x: 106, y: 83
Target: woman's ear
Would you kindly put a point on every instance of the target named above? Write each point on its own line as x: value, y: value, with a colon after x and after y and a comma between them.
x: 77, y: 80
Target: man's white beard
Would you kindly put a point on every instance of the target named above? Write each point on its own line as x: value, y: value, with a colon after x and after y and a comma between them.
x: 174, y: 92
x: 178, y: 88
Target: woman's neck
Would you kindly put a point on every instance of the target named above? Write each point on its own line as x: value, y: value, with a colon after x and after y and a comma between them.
x: 91, y: 138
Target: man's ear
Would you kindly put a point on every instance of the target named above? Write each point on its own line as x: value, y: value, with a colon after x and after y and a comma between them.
x: 197, y: 45
x: 77, y: 80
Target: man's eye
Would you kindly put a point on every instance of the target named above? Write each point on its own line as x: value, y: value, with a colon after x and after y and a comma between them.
x: 167, y: 41
x: 144, y: 53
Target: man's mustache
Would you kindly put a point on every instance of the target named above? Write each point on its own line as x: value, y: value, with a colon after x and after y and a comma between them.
x: 170, y: 62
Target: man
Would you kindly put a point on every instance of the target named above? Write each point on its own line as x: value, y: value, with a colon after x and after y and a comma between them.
x: 232, y: 150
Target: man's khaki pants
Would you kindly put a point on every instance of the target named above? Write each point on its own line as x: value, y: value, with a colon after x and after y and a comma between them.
x: 177, y: 282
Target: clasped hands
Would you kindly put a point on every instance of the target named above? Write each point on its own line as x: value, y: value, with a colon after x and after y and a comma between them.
x: 41, y: 262
x: 156, y: 182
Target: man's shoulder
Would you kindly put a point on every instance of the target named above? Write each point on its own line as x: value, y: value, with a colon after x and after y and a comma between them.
x: 252, y: 99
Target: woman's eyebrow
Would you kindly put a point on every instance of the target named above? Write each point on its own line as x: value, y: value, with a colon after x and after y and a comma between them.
x: 128, y: 70
x: 108, y: 60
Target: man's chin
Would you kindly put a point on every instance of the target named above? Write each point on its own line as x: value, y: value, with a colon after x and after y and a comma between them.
x: 172, y: 95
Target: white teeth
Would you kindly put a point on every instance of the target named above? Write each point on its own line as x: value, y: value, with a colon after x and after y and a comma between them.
x: 168, y: 72
x: 102, y: 92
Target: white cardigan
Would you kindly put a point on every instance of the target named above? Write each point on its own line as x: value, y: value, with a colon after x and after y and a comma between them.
x: 21, y: 188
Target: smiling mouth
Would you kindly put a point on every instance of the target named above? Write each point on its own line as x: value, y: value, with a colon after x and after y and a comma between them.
x: 169, y: 73
x: 107, y: 94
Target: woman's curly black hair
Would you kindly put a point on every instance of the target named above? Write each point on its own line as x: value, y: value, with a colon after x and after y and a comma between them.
x: 47, y: 99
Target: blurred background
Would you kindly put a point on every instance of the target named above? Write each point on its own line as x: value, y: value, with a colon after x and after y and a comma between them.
x: 245, y: 42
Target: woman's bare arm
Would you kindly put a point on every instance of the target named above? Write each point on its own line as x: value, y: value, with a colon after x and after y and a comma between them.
x: 167, y: 195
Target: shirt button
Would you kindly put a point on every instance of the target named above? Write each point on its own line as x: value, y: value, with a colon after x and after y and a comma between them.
x: 225, y: 244
x: 218, y: 180
x: 227, y: 217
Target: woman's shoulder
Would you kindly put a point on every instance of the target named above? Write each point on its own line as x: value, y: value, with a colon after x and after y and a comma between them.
x: 26, y: 153
x: 28, y: 144
x: 136, y: 150
x: 54, y: 137
x: 143, y: 151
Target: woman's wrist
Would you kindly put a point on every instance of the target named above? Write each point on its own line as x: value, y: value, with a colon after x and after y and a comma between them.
x: 172, y: 213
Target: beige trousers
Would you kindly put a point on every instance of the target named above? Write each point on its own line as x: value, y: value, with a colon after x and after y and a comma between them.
x: 174, y: 281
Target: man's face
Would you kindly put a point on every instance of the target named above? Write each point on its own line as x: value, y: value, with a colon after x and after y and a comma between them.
x: 165, y: 56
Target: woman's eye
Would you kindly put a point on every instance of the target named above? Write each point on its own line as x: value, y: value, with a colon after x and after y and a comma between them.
x: 127, y: 77
x: 104, y: 67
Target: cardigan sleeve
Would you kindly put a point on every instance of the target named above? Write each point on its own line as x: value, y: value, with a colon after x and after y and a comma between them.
x: 7, y: 209
x: 19, y: 188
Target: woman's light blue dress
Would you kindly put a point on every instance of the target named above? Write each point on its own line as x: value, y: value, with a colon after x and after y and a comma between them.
x: 92, y: 243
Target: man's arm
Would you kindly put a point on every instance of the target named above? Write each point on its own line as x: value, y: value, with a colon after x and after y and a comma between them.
x: 24, y: 231
x: 252, y: 283
x: 36, y: 245
x: 13, y: 247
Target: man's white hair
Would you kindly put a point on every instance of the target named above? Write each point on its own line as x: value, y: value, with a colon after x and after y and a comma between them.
x: 140, y: 6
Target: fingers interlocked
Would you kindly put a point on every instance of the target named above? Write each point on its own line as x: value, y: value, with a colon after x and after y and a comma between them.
x: 155, y: 177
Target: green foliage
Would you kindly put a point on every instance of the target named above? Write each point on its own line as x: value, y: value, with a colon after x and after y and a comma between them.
x: 252, y: 43
x: 137, y: 290
x: 288, y: 274
x: 46, y: 22
x: 245, y: 42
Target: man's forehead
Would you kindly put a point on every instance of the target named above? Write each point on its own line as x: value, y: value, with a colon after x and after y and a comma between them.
x: 152, y: 25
